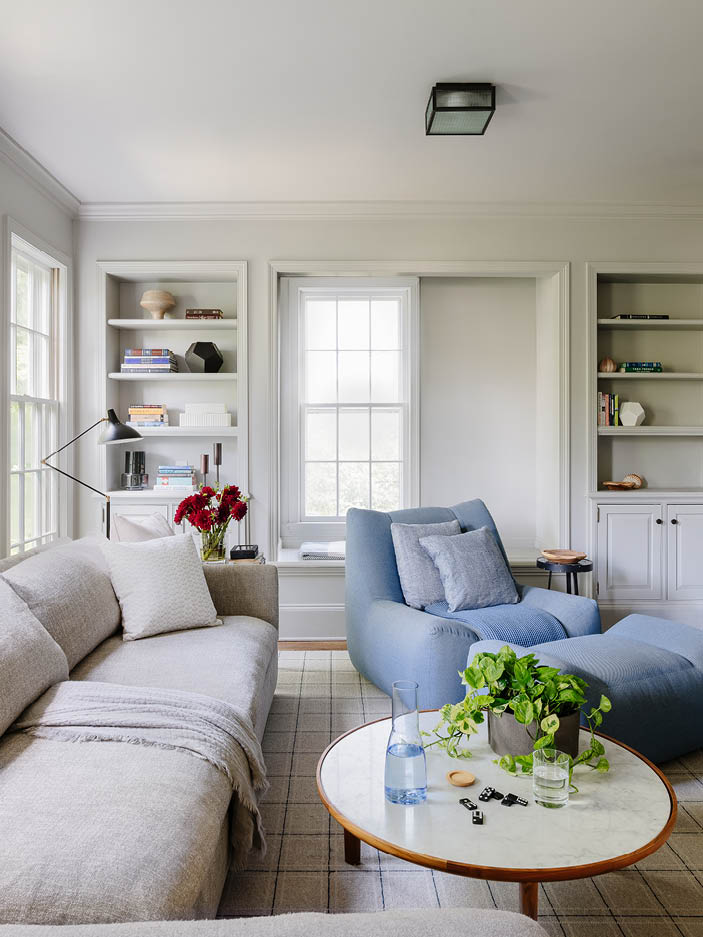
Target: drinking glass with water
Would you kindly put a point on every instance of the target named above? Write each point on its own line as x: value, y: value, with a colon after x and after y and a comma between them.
x: 550, y: 777
x: 406, y: 769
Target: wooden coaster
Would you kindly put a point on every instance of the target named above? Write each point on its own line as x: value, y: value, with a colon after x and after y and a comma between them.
x: 460, y: 778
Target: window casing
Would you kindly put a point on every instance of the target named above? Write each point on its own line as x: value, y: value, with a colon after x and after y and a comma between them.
x: 348, y: 401
x: 36, y: 393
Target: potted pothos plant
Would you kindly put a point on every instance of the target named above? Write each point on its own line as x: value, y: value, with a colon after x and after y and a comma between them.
x: 528, y: 706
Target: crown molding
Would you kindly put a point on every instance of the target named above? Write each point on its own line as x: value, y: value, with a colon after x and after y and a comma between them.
x: 381, y: 211
x: 32, y: 170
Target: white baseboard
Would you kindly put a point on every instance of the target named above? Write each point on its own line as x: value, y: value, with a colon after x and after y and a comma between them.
x: 312, y: 623
x: 688, y: 613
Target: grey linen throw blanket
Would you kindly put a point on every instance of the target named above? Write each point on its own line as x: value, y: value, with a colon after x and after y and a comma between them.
x: 201, y: 726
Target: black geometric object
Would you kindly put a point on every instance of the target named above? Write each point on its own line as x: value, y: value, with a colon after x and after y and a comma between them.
x: 486, y: 794
x: 204, y: 358
x: 459, y: 109
x: 477, y: 817
x: 469, y: 804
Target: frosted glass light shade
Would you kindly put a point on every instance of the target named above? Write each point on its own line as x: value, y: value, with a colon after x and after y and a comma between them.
x: 459, y: 109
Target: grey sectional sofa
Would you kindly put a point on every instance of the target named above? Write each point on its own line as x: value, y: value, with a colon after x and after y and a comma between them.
x: 111, y: 832
x: 448, y: 922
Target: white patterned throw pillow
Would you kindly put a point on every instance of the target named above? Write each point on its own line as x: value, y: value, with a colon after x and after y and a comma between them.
x: 160, y: 586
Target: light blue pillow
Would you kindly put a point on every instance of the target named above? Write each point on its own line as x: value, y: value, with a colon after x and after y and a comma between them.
x: 418, y: 575
x: 472, y: 570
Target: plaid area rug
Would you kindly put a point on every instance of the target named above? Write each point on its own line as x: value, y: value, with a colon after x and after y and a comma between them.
x: 319, y: 696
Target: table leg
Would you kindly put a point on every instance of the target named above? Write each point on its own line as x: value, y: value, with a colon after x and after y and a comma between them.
x: 529, y: 899
x: 352, y: 848
x: 576, y: 583
x: 568, y: 583
x: 549, y: 584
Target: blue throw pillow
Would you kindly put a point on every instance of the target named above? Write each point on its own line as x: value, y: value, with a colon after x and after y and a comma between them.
x: 472, y: 569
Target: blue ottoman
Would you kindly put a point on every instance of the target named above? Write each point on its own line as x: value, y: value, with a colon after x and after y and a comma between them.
x: 652, y: 672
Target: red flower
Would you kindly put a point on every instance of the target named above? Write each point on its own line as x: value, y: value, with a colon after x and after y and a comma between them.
x: 222, y: 514
x: 238, y: 510
x: 230, y: 495
x: 202, y: 520
x: 207, y: 492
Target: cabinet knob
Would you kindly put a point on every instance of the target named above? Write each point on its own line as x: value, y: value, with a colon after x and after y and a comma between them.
x: 674, y: 521
x: 659, y: 520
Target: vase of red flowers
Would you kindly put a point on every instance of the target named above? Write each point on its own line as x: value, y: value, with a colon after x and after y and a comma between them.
x: 210, y: 512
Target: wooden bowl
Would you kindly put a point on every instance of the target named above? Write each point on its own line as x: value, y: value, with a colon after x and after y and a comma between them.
x: 563, y: 556
x: 620, y: 486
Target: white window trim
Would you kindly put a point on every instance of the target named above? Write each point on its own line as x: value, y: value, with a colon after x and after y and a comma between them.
x: 16, y: 234
x: 294, y: 526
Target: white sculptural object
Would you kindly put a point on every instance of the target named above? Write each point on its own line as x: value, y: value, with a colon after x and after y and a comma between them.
x: 631, y: 413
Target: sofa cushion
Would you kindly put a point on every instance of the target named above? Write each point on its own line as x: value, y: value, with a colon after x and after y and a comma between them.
x: 30, y: 659
x: 235, y: 663
x: 69, y: 591
x: 507, y: 623
x: 129, y: 530
x: 425, y: 922
x: 160, y: 585
x: 419, y: 577
x: 472, y: 569
x: 106, y: 831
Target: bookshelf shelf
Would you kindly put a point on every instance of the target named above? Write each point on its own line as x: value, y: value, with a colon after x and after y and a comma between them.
x: 173, y: 378
x: 650, y: 430
x: 172, y: 325
x: 663, y: 325
x: 650, y: 376
x: 206, y: 431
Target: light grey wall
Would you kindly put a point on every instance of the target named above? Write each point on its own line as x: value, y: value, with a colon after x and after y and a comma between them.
x: 577, y: 240
x: 477, y: 398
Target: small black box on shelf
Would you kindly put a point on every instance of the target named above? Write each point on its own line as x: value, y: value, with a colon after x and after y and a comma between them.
x: 244, y: 551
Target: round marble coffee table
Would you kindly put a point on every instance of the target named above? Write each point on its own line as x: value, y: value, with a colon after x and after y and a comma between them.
x: 614, y: 821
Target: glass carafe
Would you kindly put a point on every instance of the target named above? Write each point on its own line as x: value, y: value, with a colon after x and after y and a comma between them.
x: 406, y: 769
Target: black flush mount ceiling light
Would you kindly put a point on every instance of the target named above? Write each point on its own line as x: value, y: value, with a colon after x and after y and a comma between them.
x: 459, y: 109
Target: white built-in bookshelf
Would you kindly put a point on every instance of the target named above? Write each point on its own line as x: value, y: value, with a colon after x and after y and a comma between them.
x: 667, y: 449
x: 194, y: 284
x: 646, y: 543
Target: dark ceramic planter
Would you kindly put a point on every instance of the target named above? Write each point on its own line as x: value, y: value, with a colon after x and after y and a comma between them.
x: 506, y: 736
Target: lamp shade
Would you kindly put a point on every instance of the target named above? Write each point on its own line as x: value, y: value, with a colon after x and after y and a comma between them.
x: 459, y: 109
x: 116, y: 431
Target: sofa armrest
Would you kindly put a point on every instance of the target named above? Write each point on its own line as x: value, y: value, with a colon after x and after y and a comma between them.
x: 577, y: 614
x: 247, y: 589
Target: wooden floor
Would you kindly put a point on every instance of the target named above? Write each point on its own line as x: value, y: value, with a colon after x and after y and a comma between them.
x: 312, y: 645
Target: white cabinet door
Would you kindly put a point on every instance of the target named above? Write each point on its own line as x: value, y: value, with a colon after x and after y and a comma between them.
x: 685, y: 535
x: 630, y: 555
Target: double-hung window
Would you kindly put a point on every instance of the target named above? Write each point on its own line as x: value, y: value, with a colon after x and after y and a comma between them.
x: 37, y: 343
x: 348, y: 407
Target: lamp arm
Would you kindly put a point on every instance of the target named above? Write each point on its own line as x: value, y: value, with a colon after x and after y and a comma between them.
x: 70, y: 442
x: 45, y: 460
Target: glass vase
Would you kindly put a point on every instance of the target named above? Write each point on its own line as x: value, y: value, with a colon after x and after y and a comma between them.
x: 212, y: 546
x: 406, y: 768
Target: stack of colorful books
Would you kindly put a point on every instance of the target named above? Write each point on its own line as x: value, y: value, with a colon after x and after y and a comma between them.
x: 178, y: 478
x: 148, y: 361
x: 608, y: 409
x: 645, y: 367
x: 147, y: 414
x: 204, y: 314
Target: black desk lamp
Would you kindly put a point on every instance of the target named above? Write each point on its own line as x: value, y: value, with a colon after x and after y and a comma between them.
x: 114, y: 432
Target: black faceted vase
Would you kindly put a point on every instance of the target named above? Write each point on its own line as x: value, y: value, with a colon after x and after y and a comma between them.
x: 204, y: 358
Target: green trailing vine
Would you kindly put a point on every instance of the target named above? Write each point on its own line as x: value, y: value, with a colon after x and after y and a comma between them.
x: 536, y: 695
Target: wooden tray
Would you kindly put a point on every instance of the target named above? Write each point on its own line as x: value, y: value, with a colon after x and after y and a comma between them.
x: 563, y: 556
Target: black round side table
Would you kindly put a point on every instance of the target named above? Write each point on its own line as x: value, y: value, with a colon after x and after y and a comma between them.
x: 571, y: 569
